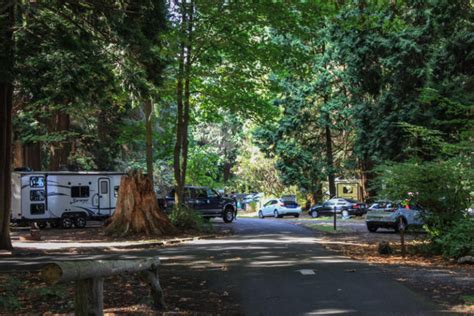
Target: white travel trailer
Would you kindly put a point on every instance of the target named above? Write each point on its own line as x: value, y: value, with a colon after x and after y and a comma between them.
x: 63, y: 198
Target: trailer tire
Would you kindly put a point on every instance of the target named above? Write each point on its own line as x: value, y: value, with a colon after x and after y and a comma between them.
x: 66, y: 222
x: 54, y: 224
x: 41, y: 225
x: 80, y: 222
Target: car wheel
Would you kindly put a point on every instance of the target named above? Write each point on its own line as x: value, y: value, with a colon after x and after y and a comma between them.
x: 314, y: 214
x: 275, y: 214
x: 66, y: 222
x: 260, y: 214
x: 372, y: 229
x: 401, y: 225
x: 41, y: 225
x: 297, y: 215
x: 80, y: 222
x: 228, y: 215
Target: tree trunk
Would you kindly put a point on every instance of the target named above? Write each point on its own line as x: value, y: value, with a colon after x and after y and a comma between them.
x: 149, y: 139
x: 137, y: 210
x: 18, y: 155
x: 366, y: 166
x: 330, y: 162
x: 7, y: 21
x: 179, y: 119
x: 180, y: 157
x: 187, y: 96
x: 59, y: 151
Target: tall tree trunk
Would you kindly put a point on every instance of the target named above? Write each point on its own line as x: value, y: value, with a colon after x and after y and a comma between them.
x: 183, y: 102
x: 330, y: 162
x: 32, y: 156
x: 7, y: 21
x: 366, y: 166
x: 59, y: 151
x: 187, y: 95
x: 149, y: 139
x: 179, y: 121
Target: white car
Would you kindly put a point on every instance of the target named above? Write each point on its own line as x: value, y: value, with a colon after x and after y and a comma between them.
x: 279, y: 208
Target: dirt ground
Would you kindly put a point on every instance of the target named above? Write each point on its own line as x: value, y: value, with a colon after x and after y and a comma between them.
x: 445, y: 282
x: 185, y: 294
x: 24, y: 293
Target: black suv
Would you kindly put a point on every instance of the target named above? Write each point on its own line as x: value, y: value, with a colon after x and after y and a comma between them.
x: 205, y: 201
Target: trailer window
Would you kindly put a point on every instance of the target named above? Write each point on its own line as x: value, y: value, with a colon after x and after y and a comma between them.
x: 37, y: 182
x: 80, y: 192
x: 37, y: 195
x: 36, y: 209
x: 104, y: 188
x: 116, y: 190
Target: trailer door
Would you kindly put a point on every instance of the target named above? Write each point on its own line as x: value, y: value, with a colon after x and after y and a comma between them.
x: 104, y: 197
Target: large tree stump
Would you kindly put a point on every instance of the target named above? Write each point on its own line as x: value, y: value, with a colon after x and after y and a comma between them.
x: 137, y: 210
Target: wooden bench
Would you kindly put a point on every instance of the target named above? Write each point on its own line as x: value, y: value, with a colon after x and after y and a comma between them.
x: 88, y: 276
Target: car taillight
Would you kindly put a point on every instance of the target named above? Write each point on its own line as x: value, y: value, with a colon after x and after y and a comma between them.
x: 356, y: 206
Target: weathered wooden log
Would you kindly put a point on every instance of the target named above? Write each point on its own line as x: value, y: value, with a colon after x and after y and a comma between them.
x: 89, y: 297
x: 89, y: 277
x: 90, y: 269
x: 151, y: 277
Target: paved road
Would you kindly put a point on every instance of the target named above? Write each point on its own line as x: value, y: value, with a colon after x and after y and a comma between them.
x: 275, y: 268
x: 269, y: 266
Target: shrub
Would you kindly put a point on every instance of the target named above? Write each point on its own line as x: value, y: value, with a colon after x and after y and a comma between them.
x: 185, y: 218
x: 459, y: 241
x: 442, y: 188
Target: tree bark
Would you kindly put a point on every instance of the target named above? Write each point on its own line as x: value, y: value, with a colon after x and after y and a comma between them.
x: 180, y: 157
x: 7, y: 21
x: 149, y: 139
x: 179, y: 117
x: 65, y: 271
x: 366, y: 166
x: 187, y: 95
x: 59, y: 151
x: 330, y: 161
x: 137, y: 211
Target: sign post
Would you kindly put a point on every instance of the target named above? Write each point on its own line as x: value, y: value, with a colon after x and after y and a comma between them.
x: 334, y: 217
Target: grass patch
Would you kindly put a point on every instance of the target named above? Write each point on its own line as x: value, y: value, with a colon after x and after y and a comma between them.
x: 247, y: 214
x: 327, y: 228
x: 468, y: 299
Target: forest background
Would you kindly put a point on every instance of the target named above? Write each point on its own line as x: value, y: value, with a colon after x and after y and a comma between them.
x: 269, y: 97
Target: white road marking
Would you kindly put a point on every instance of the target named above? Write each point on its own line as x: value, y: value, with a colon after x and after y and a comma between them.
x: 306, y: 272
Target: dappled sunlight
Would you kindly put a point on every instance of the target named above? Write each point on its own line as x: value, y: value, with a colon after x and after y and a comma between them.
x: 331, y: 311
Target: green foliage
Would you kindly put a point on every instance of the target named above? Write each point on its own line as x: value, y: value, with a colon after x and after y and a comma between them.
x: 459, y: 240
x: 58, y: 292
x: 9, y: 301
x: 443, y: 188
x: 203, y: 167
x: 185, y: 219
x: 255, y: 172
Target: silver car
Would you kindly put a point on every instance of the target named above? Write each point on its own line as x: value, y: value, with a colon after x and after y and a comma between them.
x: 385, y: 214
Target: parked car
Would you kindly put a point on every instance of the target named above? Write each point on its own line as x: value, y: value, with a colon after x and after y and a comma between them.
x: 346, y: 207
x: 207, y: 202
x: 392, y: 215
x: 381, y: 205
x: 279, y: 208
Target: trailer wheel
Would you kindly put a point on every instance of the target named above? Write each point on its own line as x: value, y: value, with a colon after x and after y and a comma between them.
x: 80, y: 222
x: 66, y: 222
x: 41, y: 225
x: 54, y: 224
